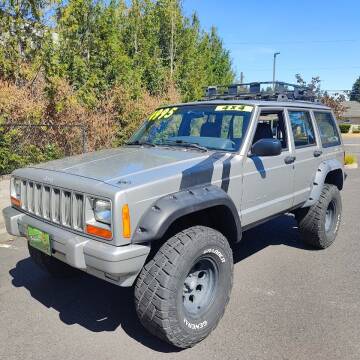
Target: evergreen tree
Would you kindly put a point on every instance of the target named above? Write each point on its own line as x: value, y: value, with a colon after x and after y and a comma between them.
x: 355, y: 92
x: 22, y: 31
x: 98, y: 45
x: 90, y: 49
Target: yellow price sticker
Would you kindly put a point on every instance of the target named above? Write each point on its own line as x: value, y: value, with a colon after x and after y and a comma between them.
x: 245, y: 108
x: 164, y: 113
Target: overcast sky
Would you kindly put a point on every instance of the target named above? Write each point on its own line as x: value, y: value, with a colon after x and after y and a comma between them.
x: 315, y: 37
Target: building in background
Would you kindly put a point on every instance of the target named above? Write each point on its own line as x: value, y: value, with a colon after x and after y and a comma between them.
x: 352, y: 112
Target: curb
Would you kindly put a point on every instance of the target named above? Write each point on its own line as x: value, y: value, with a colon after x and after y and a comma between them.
x: 5, y: 177
x: 350, y: 135
x: 352, y: 166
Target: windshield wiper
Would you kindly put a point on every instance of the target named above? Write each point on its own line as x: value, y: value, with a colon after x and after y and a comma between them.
x: 186, y: 144
x: 137, y: 142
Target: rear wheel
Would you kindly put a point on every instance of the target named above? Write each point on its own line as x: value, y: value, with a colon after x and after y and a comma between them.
x: 51, y: 265
x: 319, y: 224
x: 181, y: 294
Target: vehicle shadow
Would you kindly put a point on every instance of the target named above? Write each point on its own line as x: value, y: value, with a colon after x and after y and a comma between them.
x: 92, y: 303
x: 282, y: 230
x: 99, y: 306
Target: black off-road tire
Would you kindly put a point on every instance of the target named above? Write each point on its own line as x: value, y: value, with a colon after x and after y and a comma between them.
x: 51, y: 265
x: 159, y: 290
x: 312, y: 221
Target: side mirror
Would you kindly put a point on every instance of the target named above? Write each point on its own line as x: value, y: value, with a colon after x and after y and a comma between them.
x: 266, y: 147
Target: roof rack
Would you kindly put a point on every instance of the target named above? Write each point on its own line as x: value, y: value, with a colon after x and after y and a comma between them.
x: 266, y: 90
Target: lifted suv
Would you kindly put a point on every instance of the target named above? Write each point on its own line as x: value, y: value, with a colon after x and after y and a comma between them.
x: 163, y: 211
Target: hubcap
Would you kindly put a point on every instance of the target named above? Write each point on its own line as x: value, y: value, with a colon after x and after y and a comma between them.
x: 199, y: 285
x: 330, y: 216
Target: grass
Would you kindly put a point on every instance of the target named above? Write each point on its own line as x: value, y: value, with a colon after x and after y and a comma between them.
x: 350, y: 159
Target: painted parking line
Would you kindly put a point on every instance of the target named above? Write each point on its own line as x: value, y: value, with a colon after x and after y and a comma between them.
x: 3, y: 231
x: 7, y: 246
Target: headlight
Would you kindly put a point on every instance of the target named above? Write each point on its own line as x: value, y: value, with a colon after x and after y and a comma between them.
x: 16, y: 191
x: 102, y: 211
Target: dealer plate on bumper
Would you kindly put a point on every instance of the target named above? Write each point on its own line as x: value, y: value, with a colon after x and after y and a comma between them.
x: 39, y: 240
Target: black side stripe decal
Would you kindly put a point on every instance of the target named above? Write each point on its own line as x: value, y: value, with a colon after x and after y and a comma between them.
x: 225, y: 177
x: 202, y: 173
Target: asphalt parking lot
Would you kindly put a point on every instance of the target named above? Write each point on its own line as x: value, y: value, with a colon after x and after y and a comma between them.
x: 288, y: 301
x: 352, y: 144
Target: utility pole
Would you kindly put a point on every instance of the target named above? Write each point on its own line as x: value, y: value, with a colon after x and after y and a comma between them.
x: 241, y: 78
x: 274, y: 68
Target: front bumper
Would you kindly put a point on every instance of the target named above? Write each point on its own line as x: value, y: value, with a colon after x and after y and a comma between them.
x: 116, y: 264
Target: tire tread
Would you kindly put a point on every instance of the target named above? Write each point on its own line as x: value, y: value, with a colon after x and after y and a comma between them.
x: 155, y: 313
x: 310, y: 220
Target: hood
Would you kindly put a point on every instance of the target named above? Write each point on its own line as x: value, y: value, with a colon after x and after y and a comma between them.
x: 125, y: 163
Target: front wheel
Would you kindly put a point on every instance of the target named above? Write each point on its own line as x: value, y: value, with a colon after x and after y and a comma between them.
x: 319, y: 224
x: 181, y: 294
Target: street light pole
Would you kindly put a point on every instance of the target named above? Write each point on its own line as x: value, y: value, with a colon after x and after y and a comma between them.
x: 274, y: 69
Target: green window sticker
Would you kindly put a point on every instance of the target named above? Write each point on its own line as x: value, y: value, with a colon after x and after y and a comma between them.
x: 164, y: 113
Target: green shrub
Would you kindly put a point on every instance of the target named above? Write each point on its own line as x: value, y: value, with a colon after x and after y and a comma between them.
x: 350, y: 159
x: 344, y: 128
x: 355, y: 129
x: 13, y: 156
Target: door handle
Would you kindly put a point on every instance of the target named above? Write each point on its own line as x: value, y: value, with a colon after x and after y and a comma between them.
x: 290, y: 159
x: 317, y: 153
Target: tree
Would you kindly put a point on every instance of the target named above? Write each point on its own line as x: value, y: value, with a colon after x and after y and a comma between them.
x: 90, y: 50
x: 202, y: 61
x: 22, y: 31
x: 170, y: 17
x: 219, y: 62
x: 335, y: 101
x: 355, y: 92
x: 105, y: 64
x: 314, y: 85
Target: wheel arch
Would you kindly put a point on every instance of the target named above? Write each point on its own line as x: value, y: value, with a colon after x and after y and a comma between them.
x: 335, y: 177
x: 206, y: 205
x: 329, y: 172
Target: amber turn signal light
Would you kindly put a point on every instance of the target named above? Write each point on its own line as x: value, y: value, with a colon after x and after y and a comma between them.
x: 15, y: 201
x: 100, y: 232
x: 126, y: 221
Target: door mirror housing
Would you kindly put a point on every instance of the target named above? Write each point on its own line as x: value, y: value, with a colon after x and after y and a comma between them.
x: 266, y: 147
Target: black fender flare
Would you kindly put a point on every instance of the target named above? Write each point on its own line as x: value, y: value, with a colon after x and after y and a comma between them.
x: 157, y: 219
x: 318, y: 183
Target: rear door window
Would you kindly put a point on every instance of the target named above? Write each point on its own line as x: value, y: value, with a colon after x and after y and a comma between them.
x: 302, y: 128
x: 327, y: 128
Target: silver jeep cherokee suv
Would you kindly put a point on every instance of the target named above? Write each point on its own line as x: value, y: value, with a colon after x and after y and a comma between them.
x: 163, y: 211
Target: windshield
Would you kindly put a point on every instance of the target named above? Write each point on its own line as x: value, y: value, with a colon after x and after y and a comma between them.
x: 216, y: 127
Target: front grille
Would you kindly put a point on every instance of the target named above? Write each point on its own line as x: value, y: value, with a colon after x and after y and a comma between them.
x: 66, y: 208
x: 54, y: 204
x: 78, y: 210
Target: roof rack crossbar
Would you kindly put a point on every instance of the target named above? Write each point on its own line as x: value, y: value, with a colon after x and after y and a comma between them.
x: 265, y: 90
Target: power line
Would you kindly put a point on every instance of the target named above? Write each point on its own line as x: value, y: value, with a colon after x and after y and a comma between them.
x: 312, y: 68
x: 292, y: 42
x: 335, y: 90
